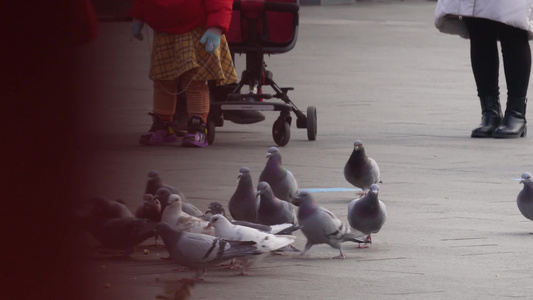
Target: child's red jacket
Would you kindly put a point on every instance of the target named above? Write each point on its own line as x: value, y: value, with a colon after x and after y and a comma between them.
x: 181, y: 16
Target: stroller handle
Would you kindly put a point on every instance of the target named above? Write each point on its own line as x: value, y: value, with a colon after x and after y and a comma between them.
x: 272, y: 6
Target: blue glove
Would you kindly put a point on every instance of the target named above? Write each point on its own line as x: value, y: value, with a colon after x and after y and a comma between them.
x: 136, y: 29
x: 211, y: 39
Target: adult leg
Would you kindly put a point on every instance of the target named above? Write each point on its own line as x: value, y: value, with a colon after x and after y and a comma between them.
x: 517, y: 67
x: 485, y: 67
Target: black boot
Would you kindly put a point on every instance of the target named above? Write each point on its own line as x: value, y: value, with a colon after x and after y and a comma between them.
x: 491, y: 115
x: 513, y: 124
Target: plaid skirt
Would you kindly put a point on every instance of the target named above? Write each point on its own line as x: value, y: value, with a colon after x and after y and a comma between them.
x: 173, y: 55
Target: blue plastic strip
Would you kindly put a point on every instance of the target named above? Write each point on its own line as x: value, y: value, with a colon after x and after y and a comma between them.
x: 322, y: 190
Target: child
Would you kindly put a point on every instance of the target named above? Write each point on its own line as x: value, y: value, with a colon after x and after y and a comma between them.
x: 188, y: 45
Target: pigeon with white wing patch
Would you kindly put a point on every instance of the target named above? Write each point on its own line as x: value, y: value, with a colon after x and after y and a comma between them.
x: 265, y: 242
x: 181, y: 221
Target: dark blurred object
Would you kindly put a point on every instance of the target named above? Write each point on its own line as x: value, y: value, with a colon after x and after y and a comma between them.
x: 112, y: 10
x: 42, y: 165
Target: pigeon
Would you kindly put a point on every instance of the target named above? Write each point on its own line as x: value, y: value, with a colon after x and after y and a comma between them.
x: 367, y: 214
x: 151, y: 208
x: 265, y: 242
x: 163, y: 194
x: 155, y: 182
x: 281, y: 180
x: 243, y: 203
x: 321, y: 226
x: 286, y: 228
x: 214, y: 208
x: 524, y: 200
x: 360, y: 170
x: 105, y: 208
x: 119, y: 233
x: 271, y: 210
x: 180, y: 220
x: 199, y: 251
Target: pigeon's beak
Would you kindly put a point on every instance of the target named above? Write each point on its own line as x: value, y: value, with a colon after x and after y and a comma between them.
x: 268, y: 155
x: 207, y: 211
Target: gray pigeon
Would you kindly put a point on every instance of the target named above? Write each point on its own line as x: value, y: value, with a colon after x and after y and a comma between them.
x: 163, y: 194
x: 367, y: 214
x: 199, y: 251
x: 105, y: 208
x: 151, y: 209
x: 271, y: 210
x: 214, y: 208
x: 243, y: 203
x: 281, y: 180
x: 361, y: 170
x: 524, y: 200
x: 119, y: 233
x: 155, y: 182
x: 321, y: 226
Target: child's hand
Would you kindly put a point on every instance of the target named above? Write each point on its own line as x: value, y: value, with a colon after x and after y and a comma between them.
x: 211, y: 39
x: 136, y: 29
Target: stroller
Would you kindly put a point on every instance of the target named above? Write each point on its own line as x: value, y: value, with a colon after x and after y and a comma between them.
x: 260, y: 27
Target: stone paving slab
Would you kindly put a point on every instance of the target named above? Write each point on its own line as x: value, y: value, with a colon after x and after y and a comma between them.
x: 376, y: 71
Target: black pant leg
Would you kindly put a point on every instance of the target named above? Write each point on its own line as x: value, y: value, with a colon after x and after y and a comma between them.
x: 516, y: 59
x: 484, y: 55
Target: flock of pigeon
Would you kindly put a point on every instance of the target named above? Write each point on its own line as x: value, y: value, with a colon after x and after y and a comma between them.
x: 264, y: 217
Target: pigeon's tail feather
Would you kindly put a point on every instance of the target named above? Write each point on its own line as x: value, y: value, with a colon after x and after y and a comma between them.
x: 240, y: 248
x: 353, y: 238
x: 289, y: 248
x: 284, y: 229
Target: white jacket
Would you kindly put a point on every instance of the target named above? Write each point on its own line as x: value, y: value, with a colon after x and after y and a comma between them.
x: 449, y: 13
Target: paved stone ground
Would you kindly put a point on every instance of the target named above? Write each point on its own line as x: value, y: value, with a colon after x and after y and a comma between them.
x: 376, y: 71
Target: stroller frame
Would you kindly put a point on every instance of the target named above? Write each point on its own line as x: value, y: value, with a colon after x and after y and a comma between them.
x: 255, y: 39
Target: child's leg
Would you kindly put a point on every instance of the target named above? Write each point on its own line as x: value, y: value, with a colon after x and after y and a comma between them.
x: 197, y: 93
x: 164, y: 106
x: 165, y: 96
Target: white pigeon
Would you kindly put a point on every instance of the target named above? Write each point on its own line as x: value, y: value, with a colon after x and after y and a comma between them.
x: 181, y: 221
x: 265, y: 242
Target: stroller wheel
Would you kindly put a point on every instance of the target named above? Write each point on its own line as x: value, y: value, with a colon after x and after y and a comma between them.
x: 281, y: 132
x: 311, y: 123
x: 210, y: 131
